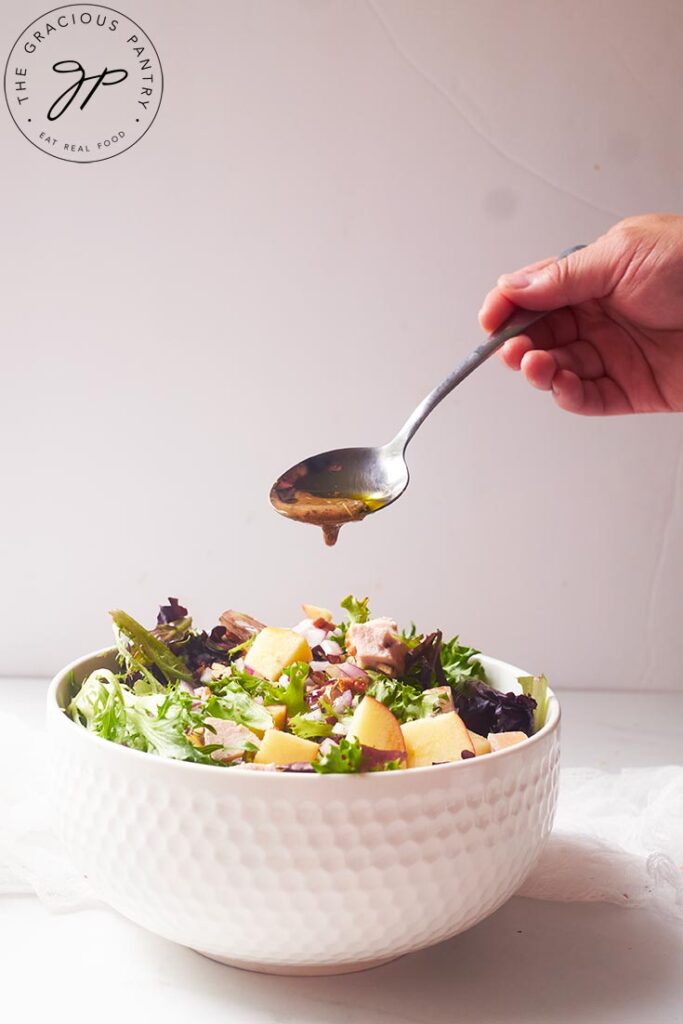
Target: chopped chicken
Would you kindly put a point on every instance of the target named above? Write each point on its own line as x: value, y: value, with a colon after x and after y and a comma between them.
x: 202, y: 693
x: 231, y: 735
x: 375, y: 644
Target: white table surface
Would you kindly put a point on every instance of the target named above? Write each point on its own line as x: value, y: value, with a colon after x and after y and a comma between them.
x: 530, y: 962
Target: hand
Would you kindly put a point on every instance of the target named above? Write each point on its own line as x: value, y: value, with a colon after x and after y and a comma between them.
x: 614, y: 343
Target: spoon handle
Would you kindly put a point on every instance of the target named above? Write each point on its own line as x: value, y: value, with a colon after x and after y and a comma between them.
x: 517, y: 323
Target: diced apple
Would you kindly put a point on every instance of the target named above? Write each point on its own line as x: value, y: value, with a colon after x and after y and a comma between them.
x: 480, y: 743
x: 274, y: 650
x: 279, y: 747
x: 501, y: 740
x: 437, y: 739
x: 311, y: 611
x: 444, y: 699
x: 374, y: 725
x: 278, y: 713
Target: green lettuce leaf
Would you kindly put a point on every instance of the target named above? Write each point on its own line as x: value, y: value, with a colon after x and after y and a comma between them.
x: 235, y: 704
x: 537, y: 688
x: 293, y: 694
x: 143, y: 648
x: 269, y: 692
x: 88, y: 703
x: 308, y: 728
x: 340, y: 758
x: 410, y: 637
x: 460, y: 663
x: 405, y: 701
x: 357, y: 611
x: 156, y: 723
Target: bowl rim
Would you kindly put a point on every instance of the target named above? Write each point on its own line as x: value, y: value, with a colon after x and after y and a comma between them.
x: 57, y: 713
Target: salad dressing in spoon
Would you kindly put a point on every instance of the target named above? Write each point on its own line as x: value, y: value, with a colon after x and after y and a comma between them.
x: 330, y: 511
x: 347, y: 484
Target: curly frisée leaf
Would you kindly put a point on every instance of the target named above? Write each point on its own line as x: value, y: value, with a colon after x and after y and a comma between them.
x: 90, y: 700
x: 357, y: 611
x: 233, y: 703
x: 293, y: 694
x: 309, y: 728
x: 153, y: 723
x: 343, y: 757
x: 405, y: 701
x: 460, y: 663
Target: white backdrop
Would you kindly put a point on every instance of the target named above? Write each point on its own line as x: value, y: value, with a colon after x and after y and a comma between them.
x: 289, y: 259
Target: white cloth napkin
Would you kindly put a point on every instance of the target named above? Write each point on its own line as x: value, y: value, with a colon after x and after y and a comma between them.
x: 618, y: 837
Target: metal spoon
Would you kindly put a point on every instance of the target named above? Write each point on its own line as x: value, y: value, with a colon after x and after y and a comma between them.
x: 345, y: 485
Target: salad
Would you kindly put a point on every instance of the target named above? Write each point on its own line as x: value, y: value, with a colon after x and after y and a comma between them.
x: 354, y: 694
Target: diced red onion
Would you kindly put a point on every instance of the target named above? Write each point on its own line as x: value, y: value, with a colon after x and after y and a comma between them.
x: 333, y: 671
x: 331, y: 647
x: 342, y: 703
x: 352, y: 671
x: 312, y: 634
x: 315, y: 636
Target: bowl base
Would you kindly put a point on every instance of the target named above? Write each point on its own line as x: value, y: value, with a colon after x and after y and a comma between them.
x: 300, y: 970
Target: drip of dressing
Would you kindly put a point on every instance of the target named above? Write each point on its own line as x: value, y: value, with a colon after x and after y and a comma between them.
x: 330, y: 513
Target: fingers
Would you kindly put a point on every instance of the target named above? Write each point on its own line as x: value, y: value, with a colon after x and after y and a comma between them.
x: 513, y: 351
x: 600, y: 397
x: 573, y: 393
x: 590, y: 273
x: 587, y: 274
x: 575, y: 375
x: 582, y: 358
x: 495, y: 309
x: 555, y: 330
x: 539, y: 368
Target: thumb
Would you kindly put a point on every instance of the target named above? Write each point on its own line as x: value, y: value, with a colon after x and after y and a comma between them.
x: 587, y: 274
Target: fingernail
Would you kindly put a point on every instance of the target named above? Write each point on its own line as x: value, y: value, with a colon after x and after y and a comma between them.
x: 520, y: 279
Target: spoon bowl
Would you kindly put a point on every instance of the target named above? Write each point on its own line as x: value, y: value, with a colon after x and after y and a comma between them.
x: 341, y: 486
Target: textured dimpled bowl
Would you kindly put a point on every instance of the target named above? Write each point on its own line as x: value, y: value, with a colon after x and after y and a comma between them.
x: 300, y: 874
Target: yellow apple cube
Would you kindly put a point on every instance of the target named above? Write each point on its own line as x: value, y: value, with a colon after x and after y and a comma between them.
x: 501, y: 740
x: 278, y: 712
x: 274, y: 650
x: 279, y: 747
x: 311, y: 611
x: 480, y: 743
x: 374, y: 725
x: 435, y: 740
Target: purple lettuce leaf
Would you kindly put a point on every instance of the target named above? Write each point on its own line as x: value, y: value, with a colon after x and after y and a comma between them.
x: 484, y: 710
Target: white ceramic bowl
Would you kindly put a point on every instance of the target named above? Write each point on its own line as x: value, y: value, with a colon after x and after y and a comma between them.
x: 301, y: 874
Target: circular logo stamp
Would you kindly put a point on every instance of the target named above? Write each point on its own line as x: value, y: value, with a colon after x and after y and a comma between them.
x: 83, y: 83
